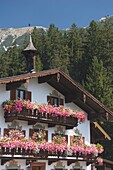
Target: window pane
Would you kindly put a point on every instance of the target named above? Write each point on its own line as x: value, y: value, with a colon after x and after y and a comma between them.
x: 54, y: 101
x: 17, y: 94
x: 21, y: 94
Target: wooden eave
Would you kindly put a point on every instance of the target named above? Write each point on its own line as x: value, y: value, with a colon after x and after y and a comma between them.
x: 72, y: 91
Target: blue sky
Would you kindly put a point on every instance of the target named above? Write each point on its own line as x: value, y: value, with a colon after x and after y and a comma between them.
x: 63, y: 13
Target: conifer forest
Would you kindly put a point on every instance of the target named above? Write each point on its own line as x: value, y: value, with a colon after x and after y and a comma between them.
x: 86, y: 54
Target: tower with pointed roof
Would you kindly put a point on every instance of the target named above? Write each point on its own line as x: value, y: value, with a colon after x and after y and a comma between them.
x: 30, y: 55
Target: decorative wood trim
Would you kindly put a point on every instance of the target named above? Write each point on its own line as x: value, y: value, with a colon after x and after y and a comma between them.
x: 42, y: 165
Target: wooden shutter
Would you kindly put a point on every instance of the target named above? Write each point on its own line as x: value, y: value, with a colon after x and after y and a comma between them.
x: 71, y: 140
x: 49, y: 99
x: 28, y: 95
x: 13, y: 94
x: 24, y: 132
x: 31, y: 131
x: 46, y: 137
x: 6, y: 131
x: 62, y: 102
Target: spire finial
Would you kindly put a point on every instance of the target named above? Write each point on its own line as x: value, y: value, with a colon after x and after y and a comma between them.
x: 30, y: 54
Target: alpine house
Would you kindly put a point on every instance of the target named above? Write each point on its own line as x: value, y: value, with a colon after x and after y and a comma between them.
x: 49, y: 121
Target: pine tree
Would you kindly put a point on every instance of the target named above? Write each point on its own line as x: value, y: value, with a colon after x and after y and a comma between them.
x: 98, y: 83
x: 91, y: 47
x: 107, y: 46
x: 56, y: 52
x: 75, y: 47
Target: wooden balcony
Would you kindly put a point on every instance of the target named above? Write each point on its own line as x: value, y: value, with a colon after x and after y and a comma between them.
x: 52, y: 156
x: 33, y: 117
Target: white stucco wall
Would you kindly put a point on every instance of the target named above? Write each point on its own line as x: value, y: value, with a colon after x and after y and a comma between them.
x: 39, y: 95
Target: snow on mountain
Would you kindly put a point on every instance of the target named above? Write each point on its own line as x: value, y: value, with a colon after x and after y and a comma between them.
x: 9, y: 35
x: 108, y: 17
x: 16, y: 32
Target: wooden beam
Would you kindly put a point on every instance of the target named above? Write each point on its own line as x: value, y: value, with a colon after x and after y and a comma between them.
x: 45, y: 79
x: 14, y: 85
x: 72, y: 98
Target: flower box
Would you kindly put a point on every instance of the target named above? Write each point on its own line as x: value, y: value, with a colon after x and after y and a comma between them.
x: 25, y: 110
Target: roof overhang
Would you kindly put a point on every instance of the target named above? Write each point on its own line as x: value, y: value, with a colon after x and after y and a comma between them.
x: 72, y: 91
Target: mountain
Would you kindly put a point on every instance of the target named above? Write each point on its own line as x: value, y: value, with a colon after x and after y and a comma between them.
x: 9, y: 35
x: 106, y: 18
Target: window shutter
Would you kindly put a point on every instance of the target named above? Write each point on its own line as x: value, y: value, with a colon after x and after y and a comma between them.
x: 24, y: 132
x: 28, y: 95
x: 49, y: 99
x: 6, y: 131
x: 71, y: 140
x: 62, y: 102
x: 31, y: 131
x: 13, y: 94
x: 46, y: 137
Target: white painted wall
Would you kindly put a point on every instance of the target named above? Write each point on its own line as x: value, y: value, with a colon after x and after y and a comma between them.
x: 83, y: 127
x: 39, y: 95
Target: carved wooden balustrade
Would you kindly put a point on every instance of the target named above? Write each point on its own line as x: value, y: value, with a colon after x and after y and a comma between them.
x: 43, y: 154
x: 33, y: 116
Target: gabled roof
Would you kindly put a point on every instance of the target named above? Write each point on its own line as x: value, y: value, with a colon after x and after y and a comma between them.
x: 72, y: 91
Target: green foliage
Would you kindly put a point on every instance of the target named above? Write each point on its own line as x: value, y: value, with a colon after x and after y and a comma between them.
x: 75, y: 52
x: 86, y: 54
x: 99, y: 83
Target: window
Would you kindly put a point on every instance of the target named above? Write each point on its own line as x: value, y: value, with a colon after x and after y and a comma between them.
x: 55, y: 101
x: 6, y: 131
x: 31, y: 132
x: 60, y: 136
x: 20, y: 94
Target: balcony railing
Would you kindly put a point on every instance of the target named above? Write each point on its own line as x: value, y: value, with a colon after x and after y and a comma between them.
x: 43, y: 154
x: 35, y: 116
